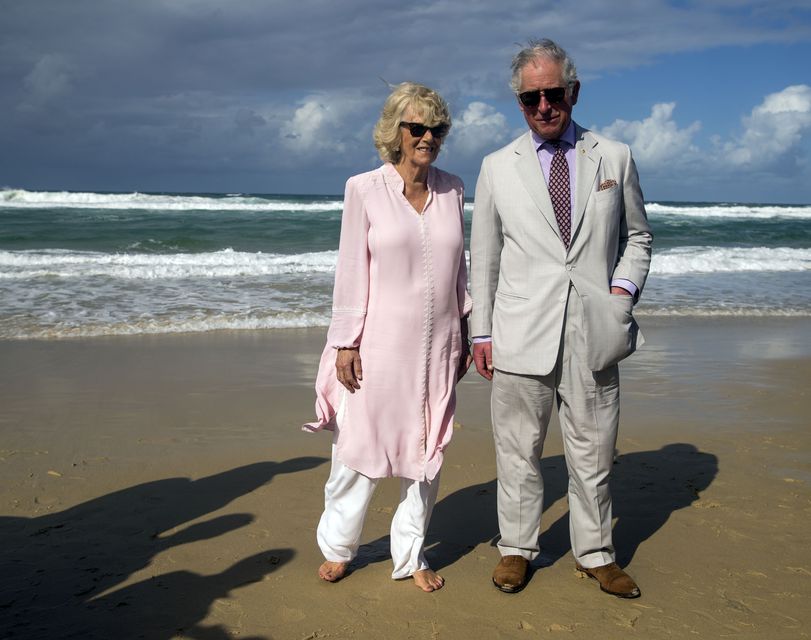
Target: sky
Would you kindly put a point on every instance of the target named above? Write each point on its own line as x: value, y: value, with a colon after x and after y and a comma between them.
x: 280, y: 96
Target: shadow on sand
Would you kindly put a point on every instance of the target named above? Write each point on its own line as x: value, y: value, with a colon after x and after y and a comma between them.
x: 647, y: 487
x: 61, y: 573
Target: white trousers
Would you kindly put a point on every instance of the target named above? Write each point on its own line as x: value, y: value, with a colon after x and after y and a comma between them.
x: 588, y: 408
x: 346, y: 499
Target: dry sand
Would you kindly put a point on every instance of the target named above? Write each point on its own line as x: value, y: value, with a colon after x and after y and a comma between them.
x: 159, y: 487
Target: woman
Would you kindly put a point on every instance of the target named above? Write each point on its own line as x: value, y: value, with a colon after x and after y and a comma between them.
x: 397, y: 343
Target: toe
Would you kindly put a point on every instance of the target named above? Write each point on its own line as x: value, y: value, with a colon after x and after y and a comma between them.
x: 332, y: 571
x: 428, y: 581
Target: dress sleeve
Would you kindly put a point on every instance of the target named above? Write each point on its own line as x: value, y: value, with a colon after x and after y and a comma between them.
x: 465, y: 301
x: 351, y: 292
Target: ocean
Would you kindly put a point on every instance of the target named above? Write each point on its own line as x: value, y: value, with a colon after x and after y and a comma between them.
x: 93, y: 264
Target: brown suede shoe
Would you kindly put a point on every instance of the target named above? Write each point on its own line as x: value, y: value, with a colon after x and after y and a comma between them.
x: 613, y: 580
x: 510, y: 574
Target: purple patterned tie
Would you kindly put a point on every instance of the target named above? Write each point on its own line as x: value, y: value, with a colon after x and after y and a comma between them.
x: 560, y: 193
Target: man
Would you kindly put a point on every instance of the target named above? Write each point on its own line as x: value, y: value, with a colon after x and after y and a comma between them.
x: 560, y: 250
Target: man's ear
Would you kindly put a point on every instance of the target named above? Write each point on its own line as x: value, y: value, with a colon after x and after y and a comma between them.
x: 575, y: 92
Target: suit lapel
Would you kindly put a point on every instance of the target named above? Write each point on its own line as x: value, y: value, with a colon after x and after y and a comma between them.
x: 529, y: 171
x: 587, y: 162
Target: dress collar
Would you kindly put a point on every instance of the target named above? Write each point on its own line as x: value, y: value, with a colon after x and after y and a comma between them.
x: 394, y: 178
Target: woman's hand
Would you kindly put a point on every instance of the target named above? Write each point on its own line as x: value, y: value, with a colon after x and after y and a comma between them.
x: 348, y: 368
x: 465, y: 358
x: 464, y: 364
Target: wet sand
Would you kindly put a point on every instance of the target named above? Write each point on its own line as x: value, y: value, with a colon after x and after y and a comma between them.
x: 159, y: 487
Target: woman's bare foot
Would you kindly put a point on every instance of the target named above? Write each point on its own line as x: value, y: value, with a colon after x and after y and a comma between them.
x: 428, y: 580
x: 332, y: 571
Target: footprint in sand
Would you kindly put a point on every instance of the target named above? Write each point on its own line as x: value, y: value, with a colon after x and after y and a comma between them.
x: 290, y: 614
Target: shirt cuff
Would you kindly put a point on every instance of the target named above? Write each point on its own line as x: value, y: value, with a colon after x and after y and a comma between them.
x: 480, y: 339
x: 629, y: 286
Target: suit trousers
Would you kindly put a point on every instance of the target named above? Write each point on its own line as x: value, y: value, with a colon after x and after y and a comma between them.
x: 588, y: 410
x: 346, y: 499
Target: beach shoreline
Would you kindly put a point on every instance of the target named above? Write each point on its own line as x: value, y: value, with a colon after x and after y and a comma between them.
x: 160, y: 487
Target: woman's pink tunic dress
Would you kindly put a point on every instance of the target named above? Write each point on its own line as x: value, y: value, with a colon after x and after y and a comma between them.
x: 400, y: 291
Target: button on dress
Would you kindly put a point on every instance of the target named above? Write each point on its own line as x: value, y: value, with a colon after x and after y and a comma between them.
x: 400, y: 292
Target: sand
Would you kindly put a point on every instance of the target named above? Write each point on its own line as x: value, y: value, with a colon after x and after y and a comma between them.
x: 159, y: 487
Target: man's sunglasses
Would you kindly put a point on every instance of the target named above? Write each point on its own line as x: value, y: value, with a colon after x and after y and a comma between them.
x: 417, y: 129
x: 533, y: 98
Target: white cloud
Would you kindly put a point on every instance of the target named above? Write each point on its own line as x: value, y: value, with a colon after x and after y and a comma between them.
x: 479, y: 128
x: 657, y: 141
x: 774, y: 128
x: 771, y: 149
x: 309, y: 121
x: 328, y: 124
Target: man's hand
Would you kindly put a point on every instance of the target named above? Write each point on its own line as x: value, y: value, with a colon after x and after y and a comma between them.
x: 348, y: 368
x: 619, y: 291
x: 483, y: 358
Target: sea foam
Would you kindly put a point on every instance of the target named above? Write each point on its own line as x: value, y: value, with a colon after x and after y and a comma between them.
x: 684, y: 260
x: 22, y: 199
x: 227, y: 263
x: 163, y: 326
x: 656, y: 209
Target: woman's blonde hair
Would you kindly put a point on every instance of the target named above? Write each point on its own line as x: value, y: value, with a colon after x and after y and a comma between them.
x: 423, y: 102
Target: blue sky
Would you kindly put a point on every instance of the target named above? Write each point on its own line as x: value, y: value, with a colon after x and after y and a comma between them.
x: 280, y: 96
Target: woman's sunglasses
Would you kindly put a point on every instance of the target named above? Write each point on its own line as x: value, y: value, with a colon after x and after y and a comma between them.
x: 533, y: 98
x: 417, y: 129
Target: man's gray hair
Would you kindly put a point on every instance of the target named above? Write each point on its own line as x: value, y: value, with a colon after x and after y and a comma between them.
x: 545, y: 48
